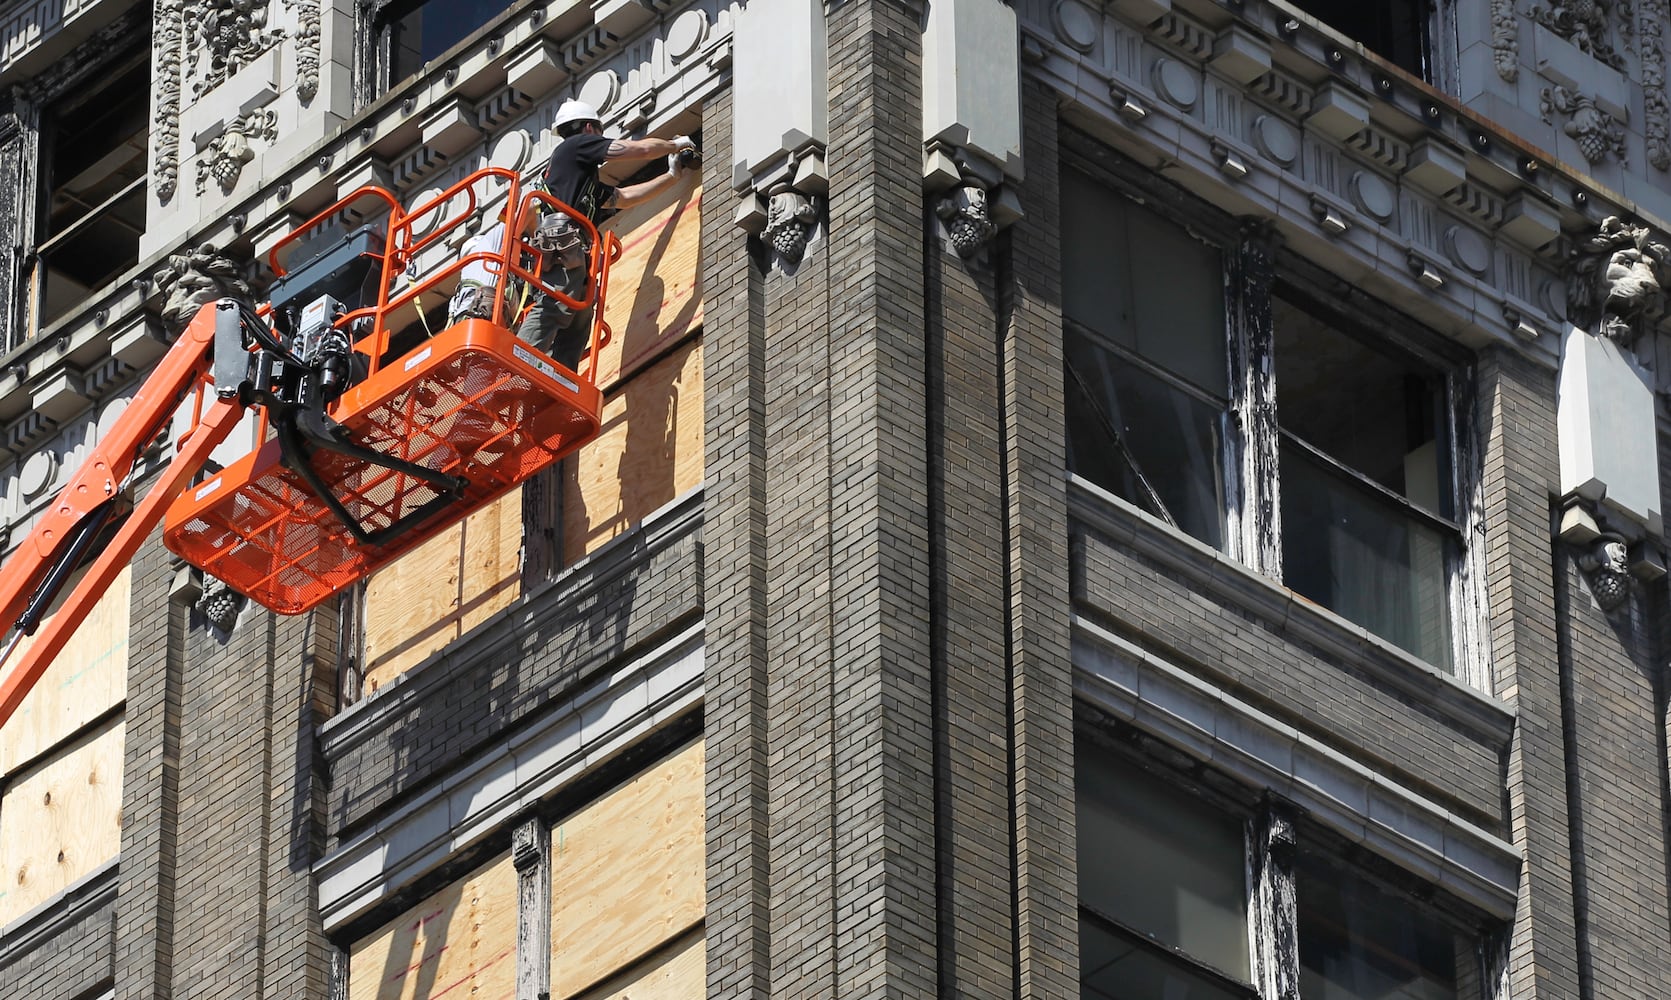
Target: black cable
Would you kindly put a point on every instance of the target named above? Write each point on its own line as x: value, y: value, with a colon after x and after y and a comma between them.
x: 264, y: 335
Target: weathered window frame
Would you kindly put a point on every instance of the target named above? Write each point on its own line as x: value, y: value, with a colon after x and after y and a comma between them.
x: 1275, y: 834
x: 1237, y: 808
x: 374, y: 49
x: 25, y: 124
x: 1255, y: 264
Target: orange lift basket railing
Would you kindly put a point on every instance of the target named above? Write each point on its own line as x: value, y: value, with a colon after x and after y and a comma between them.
x: 426, y: 436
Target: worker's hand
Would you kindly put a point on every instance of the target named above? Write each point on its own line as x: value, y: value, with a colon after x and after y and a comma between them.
x: 682, y: 143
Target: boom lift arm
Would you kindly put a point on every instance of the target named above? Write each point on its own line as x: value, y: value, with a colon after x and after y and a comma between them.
x: 38, y: 570
x: 365, y: 451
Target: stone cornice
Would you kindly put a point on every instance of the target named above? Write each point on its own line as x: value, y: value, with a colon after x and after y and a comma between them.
x: 1420, y: 199
x: 546, y: 43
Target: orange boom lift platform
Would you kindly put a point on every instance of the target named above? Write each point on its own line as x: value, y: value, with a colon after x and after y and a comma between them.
x: 367, y: 449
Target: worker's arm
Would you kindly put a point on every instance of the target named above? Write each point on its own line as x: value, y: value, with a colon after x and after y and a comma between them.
x: 645, y: 149
x: 634, y: 194
x: 677, y: 168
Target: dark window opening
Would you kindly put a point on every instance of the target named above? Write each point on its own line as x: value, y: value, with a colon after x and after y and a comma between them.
x: 418, y: 31
x: 1147, y: 379
x: 1396, y: 30
x: 1361, y: 942
x: 1363, y: 470
x: 1360, y: 456
x: 94, y: 153
x: 1162, y: 886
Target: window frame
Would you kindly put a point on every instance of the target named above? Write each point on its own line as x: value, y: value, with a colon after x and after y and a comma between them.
x: 374, y: 45
x: 1275, y: 833
x: 1256, y: 266
x: 1174, y: 957
x: 1440, y: 44
x: 125, y: 60
x: 26, y: 147
x: 1127, y: 748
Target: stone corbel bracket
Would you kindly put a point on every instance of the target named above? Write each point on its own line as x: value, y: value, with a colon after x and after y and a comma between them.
x: 780, y: 88
x: 971, y: 120
x: 969, y: 196
x: 1609, y: 559
x: 784, y: 206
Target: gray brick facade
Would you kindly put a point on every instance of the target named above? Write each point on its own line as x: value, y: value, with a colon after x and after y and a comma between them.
x: 892, y: 612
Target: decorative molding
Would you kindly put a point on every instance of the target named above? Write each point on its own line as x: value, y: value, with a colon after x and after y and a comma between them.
x: 1587, y: 24
x: 189, y: 280
x: 307, y: 48
x: 1477, y: 201
x: 171, y: 28
x: 1596, y: 132
x: 1605, y: 563
x: 1286, y: 91
x: 234, y: 32
x: 219, y: 605
x: 28, y: 26
x: 1655, y: 105
x: 1505, y: 40
x: 790, y: 219
x: 1187, y: 34
x: 1615, y: 289
x: 227, y: 153
x: 967, y: 219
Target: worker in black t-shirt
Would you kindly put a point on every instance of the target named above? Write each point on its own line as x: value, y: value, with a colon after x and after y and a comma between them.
x: 572, y: 177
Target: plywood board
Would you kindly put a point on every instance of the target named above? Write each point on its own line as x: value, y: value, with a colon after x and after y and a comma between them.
x: 86, y: 680
x: 679, y: 973
x: 460, y: 942
x: 442, y: 589
x: 60, y: 820
x: 648, y: 452
x: 627, y: 873
x: 655, y: 294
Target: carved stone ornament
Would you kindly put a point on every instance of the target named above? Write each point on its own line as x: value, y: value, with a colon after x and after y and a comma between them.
x: 1505, y: 40
x: 1616, y: 289
x: 1655, y: 106
x: 967, y: 217
x: 1606, y: 567
x: 191, y: 279
x: 790, y: 218
x: 307, y: 48
x: 169, y: 45
x: 233, y: 32
x: 227, y: 153
x: 219, y: 604
x: 1596, y: 132
x: 1587, y: 24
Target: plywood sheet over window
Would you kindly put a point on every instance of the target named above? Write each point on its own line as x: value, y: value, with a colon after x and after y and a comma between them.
x: 86, y: 680
x: 677, y: 973
x: 649, y: 451
x: 627, y: 876
x: 655, y: 295
x: 460, y: 942
x: 442, y: 589
x: 60, y: 819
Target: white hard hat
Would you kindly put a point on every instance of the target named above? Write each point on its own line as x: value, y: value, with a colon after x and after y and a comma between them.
x: 574, y: 111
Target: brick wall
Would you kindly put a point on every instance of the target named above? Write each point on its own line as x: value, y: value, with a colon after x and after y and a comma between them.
x: 969, y: 630
x: 222, y: 801
x: 1611, y: 690
x: 734, y: 592
x: 72, y: 957
x: 1035, y: 508
x: 505, y: 673
x: 1517, y: 425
